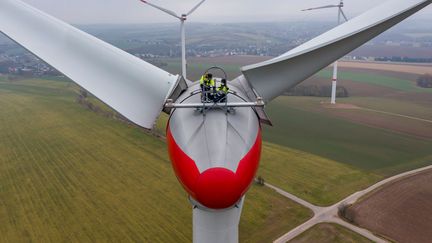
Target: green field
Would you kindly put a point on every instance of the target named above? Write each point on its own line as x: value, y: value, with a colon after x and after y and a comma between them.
x: 70, y: 175
x: 329, y: 233
x: 375, y: 79
x: 315, y: 179
x: 363, y: 147
x: 407, y: 108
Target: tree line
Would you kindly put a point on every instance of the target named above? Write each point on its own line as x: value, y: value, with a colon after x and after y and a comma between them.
x: 317, y: 91
x: 425, y: 81
x: 404, y: 59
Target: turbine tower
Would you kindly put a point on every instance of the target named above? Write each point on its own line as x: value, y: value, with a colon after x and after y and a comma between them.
x: 335, y: 65
x: 182, y: 19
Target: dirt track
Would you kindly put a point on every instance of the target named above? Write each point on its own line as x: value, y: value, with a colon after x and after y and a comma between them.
x: 401, y: 210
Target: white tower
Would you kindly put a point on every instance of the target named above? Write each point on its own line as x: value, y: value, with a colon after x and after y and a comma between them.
x: 335, y: 65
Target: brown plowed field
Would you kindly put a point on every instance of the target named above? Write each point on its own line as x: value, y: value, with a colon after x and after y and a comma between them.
x: 387, y: 50
x: 393, y: 67
x: 401, y: 211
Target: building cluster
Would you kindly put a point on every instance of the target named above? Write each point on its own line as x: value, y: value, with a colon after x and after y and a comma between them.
x: 25, y: 64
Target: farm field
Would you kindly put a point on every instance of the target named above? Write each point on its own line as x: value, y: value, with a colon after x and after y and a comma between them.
x: 69, y: 174
x: 329, y: 233
x: 392, y: 67
x: 415, y: 109
x: 315, y: 179
x: 400, y: 84
x: 408, y: 125
x: 299, y: 125
x: 384, y: 113
x: 400, y: 210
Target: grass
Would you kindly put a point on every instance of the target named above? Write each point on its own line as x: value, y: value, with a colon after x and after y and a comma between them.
x: 68, y: 174
x: 329, y: 233
x: 267, y: 216
x: 408, y: 108
x: 315, y: 179
x: 365, y: 148
x: 375, y: 79
x: 161, y: 124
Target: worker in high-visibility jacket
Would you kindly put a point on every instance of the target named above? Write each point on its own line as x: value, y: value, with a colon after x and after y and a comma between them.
x: 208, y: 87
x: 222, y: 91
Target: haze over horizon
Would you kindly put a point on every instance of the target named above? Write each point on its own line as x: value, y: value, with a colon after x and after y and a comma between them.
x: 135, y: 12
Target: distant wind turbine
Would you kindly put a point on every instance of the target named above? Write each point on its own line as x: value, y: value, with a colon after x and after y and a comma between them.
x: 182, y: 19
x: 335, y: 65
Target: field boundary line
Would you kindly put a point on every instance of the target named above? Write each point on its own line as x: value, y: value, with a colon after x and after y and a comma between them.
x: 396, y: 114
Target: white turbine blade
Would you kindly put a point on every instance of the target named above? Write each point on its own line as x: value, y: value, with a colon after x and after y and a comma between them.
x: 343, y: 14
x: 195, y: 8
x: 322, y: 7
x: 272, y: 78
x: 134, y: 88
x: 172, y: 13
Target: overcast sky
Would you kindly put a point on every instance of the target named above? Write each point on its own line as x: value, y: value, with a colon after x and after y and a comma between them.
x: 133, y: 11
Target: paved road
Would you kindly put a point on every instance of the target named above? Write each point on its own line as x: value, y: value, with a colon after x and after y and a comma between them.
x: 330, y: 214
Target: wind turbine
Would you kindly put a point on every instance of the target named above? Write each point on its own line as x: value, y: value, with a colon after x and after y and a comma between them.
x: 182, y: 19
x: 215, y: 153
x: 335, y: 65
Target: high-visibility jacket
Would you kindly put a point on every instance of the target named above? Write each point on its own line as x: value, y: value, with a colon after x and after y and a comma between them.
x: 205, y: 81
x: 223, y: 88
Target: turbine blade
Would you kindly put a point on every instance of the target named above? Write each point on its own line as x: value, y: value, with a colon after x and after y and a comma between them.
x: 272, y: 78
x: 172, y: 13
x: 134, y: 88
x: 327, y: 6
x: 195, y: 8
x: 343, y: 14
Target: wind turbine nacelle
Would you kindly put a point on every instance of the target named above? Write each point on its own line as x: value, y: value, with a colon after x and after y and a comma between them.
x: 214, y: 155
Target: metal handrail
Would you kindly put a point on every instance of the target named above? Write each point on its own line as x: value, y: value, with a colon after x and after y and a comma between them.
x: 209, y: 105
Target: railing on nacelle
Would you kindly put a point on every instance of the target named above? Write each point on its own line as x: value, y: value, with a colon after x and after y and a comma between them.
x: 170, y: 104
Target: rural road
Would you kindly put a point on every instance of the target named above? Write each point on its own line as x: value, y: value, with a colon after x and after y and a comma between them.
x: 330, y: 214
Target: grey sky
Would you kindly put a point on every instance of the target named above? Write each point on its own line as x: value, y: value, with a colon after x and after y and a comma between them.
x: 132, y: 11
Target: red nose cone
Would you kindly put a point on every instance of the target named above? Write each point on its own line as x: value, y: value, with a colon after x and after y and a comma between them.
x: 215, y: 188
x: 218, y: 188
